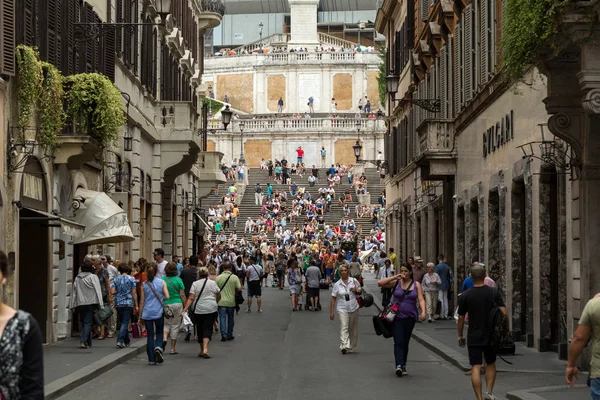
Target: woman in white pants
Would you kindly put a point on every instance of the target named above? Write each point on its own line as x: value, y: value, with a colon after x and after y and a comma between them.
x: 344, y: 294
x: 430, y: 284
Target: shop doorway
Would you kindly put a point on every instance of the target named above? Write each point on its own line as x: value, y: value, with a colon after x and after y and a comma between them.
x: 34, y: 266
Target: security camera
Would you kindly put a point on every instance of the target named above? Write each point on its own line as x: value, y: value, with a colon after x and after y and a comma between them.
x: 18, y: 204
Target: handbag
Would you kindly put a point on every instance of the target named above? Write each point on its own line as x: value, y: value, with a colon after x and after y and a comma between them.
x: 102, y: 314
x: 167, y: 312
x: 239, y: 298
x: 136, y: 331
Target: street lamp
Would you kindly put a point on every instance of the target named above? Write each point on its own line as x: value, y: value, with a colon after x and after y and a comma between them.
x: 226, y: 116
x: 391, y: 84
x: 128, y: 140
x: 242, y: 125
x: 260, y: 26
x: 357, y: 150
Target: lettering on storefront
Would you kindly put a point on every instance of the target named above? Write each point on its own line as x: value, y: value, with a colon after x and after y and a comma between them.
x: 498, y: 135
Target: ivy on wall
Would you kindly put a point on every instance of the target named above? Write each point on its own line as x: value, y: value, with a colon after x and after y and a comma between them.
x: 527, y: 27
x: 381, y: 86
x: 50, y: 107
x: 29, y: 82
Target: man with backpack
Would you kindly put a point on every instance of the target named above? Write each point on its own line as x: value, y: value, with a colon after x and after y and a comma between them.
x: 488, y: 326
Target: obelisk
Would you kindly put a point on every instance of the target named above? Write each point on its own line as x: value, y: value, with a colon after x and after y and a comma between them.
x: 304, y: 24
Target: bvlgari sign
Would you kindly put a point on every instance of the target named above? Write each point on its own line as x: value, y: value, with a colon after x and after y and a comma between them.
x: 498, y: 135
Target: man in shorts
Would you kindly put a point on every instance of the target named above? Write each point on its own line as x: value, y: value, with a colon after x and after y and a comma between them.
x: 253, y: 276
x: 478, y: 302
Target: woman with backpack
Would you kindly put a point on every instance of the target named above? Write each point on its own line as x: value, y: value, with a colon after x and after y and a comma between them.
x: 405, y: 294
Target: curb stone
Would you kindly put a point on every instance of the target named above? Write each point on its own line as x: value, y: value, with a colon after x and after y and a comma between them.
x: 65, y: 384
x: 530, y: 394
x: 448, y: 354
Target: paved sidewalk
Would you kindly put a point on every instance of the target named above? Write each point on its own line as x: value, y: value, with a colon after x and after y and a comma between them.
x: 67, y: 366
x: 532, y: 375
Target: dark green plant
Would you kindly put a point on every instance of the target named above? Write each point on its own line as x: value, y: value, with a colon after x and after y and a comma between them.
x: 213, y: 105
x: 527, y: 28
x: 381, y: 77
x: 29, y: 82
x: 94, y: 105
x: 50, y: 107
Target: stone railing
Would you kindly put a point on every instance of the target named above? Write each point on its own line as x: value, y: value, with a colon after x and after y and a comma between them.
x: 274, y: 59
x: 330, y: 40
x: 294, y: 125
x: 278, y: 38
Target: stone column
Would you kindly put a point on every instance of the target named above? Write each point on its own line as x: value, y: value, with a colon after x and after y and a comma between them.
x: 431, y: 235
x: 304, y: 24
x: 136, y: 216
x: 157, y: 199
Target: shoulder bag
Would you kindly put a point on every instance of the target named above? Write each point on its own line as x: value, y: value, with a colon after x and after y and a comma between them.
x: 167, y: 312
x: 261, y: 275
x: 198, y: 298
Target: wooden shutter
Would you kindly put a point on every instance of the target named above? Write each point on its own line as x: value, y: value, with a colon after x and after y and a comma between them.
x: 468, y: 53
x: 51, y: 51
x: 68, y: 40
x: 457, y: 86
x: 7, y: 37
x: 30, y: 22
x: 443, y: 96
x: 154, y: 75
x: 89, y: 48
x: 136, y: 39
x: 424, y: 8
x: 119, y: 32
x: 110, y: 54
x: 484, y: 64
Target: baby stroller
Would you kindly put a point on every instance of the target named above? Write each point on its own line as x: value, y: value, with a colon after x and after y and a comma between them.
x: 275, y: 282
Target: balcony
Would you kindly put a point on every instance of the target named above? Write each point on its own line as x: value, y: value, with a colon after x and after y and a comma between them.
x: 214, y: 64
x: 437, y: 155
x: 294, y: 125
x: 180, y: 144
x: 211, y: 15
x: 210, y: 174
x: 74, y: 147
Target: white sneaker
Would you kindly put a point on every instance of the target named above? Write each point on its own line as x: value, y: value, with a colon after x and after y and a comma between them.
x: 260, y: 310
x: 489, y: 396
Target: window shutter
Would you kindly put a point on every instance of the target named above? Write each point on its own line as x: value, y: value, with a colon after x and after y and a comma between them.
x: 424, y: 6
x: 457, y: 69
x: 119, y: 32
x: 7, y: 37
x: 110, y: 54
x: 154, y: 49
x: 485, y: 44
x: 444, y: 82
x: 136, y: 39
x: 29, y: 22
x: 89, y: 48
x: 468, y: 54
x: 53, y: 32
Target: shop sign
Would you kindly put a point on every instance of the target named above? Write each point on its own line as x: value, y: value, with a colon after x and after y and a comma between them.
x: 498, y: 135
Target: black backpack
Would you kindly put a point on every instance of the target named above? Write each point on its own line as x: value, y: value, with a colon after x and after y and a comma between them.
x: 498, y: 324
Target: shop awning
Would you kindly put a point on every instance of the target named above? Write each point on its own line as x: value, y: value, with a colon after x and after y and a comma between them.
x: 104, y: 220
x: 68, y: 227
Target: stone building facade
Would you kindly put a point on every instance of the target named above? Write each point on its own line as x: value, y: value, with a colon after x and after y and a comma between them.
x: 49, y: 196
x: 464, y: 151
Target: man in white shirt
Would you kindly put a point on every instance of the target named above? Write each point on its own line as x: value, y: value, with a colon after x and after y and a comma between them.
x: 161, y: 263
x: 248, y: 225
x: 112, y: 273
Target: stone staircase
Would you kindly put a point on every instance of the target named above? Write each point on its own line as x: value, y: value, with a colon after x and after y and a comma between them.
x: 256, y: 175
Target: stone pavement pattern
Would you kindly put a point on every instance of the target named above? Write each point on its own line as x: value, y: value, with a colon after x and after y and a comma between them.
x: 285, y: 355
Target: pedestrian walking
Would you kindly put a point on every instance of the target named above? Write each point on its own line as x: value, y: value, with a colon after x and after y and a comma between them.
x: 229, y: 284
x: 126, y: 302
x: 406, y: 293
x: 323, y: 157
x: 189, y: 275
x: 280, y: 105
x: 343, y: 299
x: 478, y: 302
x: 175, y: 302
x: 300, y: 155
x: 589, y: 326
x: 86, y: 298
x: 431, y: 283
x: 258, y: 195
x: 21, y: 353
x: 313, y: 279
x: 151, y: 310
x: 385, y: 271
x: 443, y: 270
x: 254, y: 276
x: 206, y: 294
x: 311, y: 104
x: 295, y: 282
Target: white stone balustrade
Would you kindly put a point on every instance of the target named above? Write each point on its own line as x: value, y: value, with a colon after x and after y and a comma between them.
x: 293, y: 125
x: 283, y: 59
